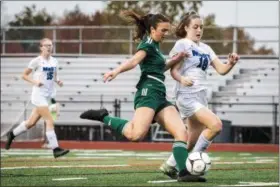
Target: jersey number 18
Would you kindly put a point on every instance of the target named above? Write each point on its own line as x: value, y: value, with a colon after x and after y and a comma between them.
x: 203, y: 62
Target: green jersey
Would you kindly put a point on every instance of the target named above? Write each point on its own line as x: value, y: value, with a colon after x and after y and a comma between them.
x: 152, y: 66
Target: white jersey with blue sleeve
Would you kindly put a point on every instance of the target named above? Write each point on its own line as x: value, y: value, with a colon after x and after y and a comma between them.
x: 194, y: 66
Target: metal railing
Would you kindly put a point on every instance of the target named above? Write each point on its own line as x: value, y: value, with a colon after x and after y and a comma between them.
x: 157, y: 132
x: 121, y: 35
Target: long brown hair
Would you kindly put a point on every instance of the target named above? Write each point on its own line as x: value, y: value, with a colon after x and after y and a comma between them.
x: 143, y: 23
x: 180, y: 31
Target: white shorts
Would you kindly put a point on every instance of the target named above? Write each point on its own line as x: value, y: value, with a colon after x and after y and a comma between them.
x: 190, y: 103
x: 40, y: 101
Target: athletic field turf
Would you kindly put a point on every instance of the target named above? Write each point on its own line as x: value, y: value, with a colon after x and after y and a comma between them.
x: 37, y: 167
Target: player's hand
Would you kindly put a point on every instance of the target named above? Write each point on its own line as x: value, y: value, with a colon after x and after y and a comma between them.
x: 38, y: 83
x: 186, y: 81
x: 110, y: 75
x: 180, y: 56
x: 233, y: 58
x: 60, y: 83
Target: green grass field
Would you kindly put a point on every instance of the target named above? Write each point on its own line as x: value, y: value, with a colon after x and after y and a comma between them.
x: 25, y: 167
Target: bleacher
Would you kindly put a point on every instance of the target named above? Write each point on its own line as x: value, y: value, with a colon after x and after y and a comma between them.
x: 251, y: 81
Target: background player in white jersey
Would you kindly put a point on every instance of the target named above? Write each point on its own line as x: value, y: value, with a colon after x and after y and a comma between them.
x: 191, y: 86
x: 44, y: 69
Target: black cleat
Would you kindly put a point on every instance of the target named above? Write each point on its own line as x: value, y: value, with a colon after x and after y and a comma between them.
x: 97, y: 115
x: 10, y: 137
x: 185, y: 176
x: 57, y: 152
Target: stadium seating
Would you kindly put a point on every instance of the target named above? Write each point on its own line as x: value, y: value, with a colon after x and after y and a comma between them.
x: 250, y: 82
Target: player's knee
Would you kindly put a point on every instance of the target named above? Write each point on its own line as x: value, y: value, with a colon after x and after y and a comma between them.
x: 217, y: 127
x: 137, y: 137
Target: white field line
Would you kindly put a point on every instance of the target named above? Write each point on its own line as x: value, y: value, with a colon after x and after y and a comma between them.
x: 244, y: 154
x: 68, y: 166
x: 253, y: 184
x: 255, y: 162
x: 162, y: 181
x: 26, y: 153
x: 155, y: 158
x: 121, y: 154
x: 68, y: 179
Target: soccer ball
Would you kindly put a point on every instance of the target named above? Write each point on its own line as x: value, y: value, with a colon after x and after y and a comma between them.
x: 198, y: 163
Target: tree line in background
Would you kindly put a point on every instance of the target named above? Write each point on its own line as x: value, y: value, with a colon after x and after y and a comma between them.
x: 30, y: 16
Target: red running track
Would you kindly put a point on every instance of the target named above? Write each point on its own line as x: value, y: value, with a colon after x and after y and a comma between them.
x: 151, y: 146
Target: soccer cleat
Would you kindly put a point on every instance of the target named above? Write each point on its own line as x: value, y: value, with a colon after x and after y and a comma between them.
x: 97, y: 115
x: 168, y: 170
x: 185, y: 176
x: 10, y: 137
x: 57, y: 152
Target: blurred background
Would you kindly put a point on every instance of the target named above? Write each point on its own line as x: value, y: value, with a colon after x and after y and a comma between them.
x: 90, y: 39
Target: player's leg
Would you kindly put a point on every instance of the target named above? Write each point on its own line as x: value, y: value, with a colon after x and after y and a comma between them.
x: 194, y: 130
x: 172, y: 122
x: 22, y: 127
x: 133, y: 130
x: 139, y: 126
x: 213, y: 127
x: 187, y: 105
x: 50, y: 133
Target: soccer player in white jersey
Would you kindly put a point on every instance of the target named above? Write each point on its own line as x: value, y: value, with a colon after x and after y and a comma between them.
x: 191, y: 86
x: 45, y: 76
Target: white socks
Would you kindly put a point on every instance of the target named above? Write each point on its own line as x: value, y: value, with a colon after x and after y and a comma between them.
x: 202, y: 144
x: 20, y: 129
x: 171, y: 161
x: 51, y: 136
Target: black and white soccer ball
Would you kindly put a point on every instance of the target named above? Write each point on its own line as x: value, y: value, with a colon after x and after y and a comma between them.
x: 198, y: 163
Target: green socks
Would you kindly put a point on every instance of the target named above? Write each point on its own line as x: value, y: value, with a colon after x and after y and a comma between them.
x: 180, y: 154
x: 115, y: 123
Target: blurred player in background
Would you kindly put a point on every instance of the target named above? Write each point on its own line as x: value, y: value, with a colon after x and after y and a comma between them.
x: 191, y: 87
x: 45, y: 75
x: 150, y: 99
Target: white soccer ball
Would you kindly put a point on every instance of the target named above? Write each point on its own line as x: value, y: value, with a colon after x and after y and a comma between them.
x: 198, y: 163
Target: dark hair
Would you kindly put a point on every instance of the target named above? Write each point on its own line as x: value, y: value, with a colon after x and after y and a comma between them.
x: 185, y: 21
x: 143, y: 23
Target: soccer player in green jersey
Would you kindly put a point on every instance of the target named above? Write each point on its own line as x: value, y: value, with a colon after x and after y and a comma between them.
x: 150, y: 99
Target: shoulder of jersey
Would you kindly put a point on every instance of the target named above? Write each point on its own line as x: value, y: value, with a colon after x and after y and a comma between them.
x: 36, y: 59
x: 54, y: 59
x: 149, y: 40
x: 185, y: 42
x: 204, y: 45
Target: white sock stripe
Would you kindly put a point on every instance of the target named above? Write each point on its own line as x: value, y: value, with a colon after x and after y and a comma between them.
x: 179, y: 144
x: 174, y: 146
